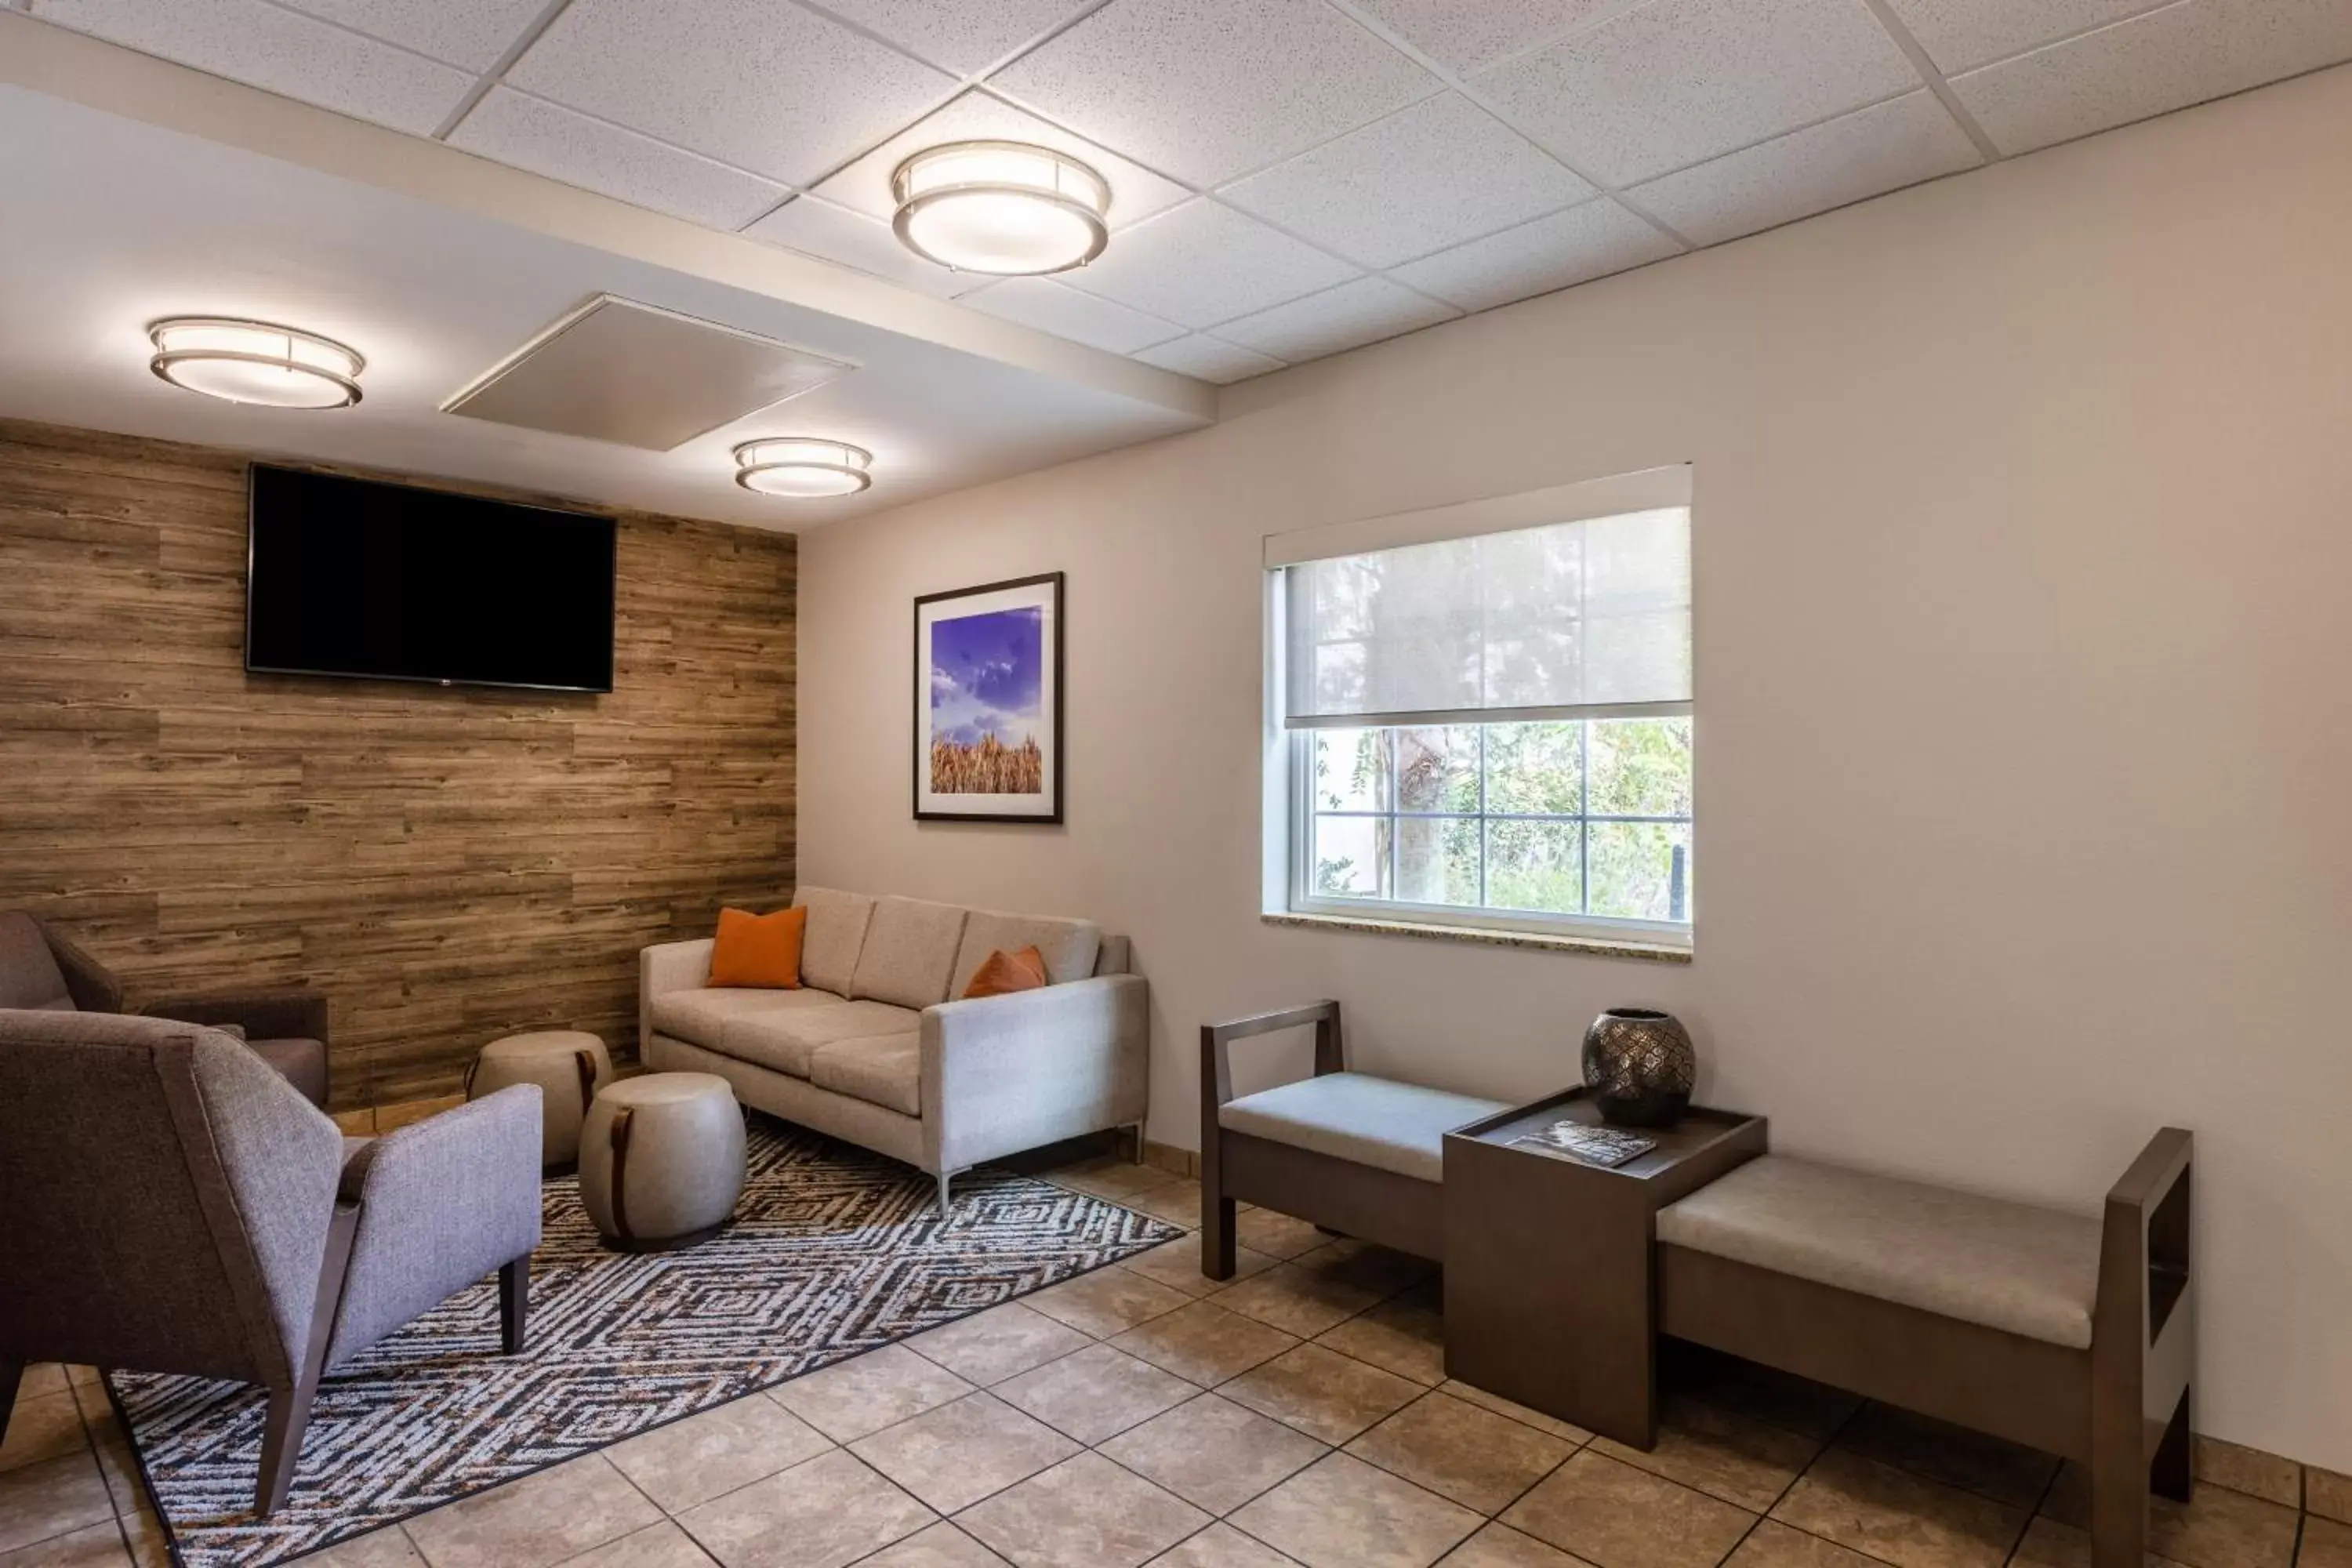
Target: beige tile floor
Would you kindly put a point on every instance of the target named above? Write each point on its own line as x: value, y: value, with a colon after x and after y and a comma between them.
x: 1143, y: 1415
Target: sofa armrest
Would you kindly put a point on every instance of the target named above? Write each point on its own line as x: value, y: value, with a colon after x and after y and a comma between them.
x: 281, y: 1013
x: 1001, y: 1074
x: 443, y: 1202
x: 667, y: 966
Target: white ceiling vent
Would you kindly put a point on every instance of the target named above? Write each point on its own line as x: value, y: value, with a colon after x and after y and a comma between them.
x: 614, y: 369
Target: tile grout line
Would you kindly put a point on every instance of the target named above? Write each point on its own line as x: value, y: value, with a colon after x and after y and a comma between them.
x: 2035, y: 1512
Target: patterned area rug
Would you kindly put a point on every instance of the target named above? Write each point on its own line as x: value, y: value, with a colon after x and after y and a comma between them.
x: 833, y: 1252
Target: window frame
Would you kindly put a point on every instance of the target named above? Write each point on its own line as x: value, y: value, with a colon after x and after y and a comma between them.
x: 1298, y: 763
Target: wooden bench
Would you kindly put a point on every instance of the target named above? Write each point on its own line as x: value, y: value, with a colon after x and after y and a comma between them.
x: 2074, y: 1335
x: 1351, y: 1153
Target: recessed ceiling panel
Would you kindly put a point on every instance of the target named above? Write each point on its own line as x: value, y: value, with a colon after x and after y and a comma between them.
x: 616, y: 371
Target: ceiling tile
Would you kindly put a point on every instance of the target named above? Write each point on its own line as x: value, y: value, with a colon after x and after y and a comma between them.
x: 1204, y: 263
x: 1209, y: 359
x: 833, y: 234
x: 1960, y: 34
x: 1469, y: 35
x: 961, y: 38
x: 1207, y: 90
x: 1050, y: 307
x: 1881, y: 148
x: 281, y: 52
x: 2163, y: 60
x: 1363, y: 311
x: 1679, y: 81
x: 516, y: 129
x: 468, y: 33
x: 1574, y: 246
x: 759, y: 84
x: 865, y: 187
x: 1427, y: 177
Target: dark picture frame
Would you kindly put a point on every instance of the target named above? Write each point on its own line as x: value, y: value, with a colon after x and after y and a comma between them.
x: 988, y: 703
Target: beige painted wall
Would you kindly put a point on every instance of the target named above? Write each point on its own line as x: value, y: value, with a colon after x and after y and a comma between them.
x: 2024, y: 543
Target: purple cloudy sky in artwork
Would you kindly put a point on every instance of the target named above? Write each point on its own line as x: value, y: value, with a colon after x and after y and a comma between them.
x: 987, y: 675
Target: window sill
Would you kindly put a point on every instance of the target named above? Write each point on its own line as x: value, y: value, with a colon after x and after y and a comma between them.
x: 1593, y: 947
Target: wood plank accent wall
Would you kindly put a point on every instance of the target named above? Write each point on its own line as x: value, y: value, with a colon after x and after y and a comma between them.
x: 448, y: 865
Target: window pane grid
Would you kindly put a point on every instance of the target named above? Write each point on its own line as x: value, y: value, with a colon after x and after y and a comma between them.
x: 1487, y: 853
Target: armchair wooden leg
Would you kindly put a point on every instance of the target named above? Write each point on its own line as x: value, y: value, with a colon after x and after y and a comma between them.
x: 12, y: 1374
x: 514, y: 1302
x: 289, y: 1407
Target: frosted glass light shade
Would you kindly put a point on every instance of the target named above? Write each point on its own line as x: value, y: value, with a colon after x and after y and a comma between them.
x: 255, y: 361
x: 802, y: 467
x: 1000, y: 207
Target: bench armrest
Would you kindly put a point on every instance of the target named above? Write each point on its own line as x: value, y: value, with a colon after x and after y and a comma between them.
x: 1006, y: 1073
x: 669, y: 967
x: 1217, y: 1039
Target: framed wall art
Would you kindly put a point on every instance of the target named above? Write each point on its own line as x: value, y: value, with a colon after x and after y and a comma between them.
x: 988, y: 703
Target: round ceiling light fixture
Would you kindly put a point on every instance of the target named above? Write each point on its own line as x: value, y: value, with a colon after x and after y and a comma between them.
x: 1001, y: 207
x: 255, y: 361
x: 802, y: 467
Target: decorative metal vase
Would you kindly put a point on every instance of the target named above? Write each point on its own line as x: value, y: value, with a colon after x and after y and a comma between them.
x: 1640, y: 1067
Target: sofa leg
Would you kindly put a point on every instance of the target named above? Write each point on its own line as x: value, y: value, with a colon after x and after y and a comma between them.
x: 1135, y: 1131
x: 944, y: 1209
x: 514, y: 1303
x: 12, y: 1374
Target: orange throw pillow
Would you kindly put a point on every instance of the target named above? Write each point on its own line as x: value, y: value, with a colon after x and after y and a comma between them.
x: 1001, y: 974
x: 758, y: 950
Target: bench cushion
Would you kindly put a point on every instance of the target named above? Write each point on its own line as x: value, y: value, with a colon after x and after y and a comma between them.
x: 2025, y: 1270
x: 1353, y: 1116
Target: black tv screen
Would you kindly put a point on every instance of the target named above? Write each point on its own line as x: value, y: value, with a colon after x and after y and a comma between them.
x: 354, y: 577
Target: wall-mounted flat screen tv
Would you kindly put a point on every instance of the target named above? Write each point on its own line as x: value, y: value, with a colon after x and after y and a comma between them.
x: 358, y: 578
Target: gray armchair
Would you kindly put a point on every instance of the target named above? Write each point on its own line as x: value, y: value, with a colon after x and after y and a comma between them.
x: 174, y: 1205
x: 44, y: 969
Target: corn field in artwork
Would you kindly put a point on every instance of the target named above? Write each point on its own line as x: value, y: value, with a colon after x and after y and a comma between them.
x: 989, y: 767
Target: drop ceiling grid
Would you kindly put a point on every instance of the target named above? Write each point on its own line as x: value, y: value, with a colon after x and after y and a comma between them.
x: 1515, y: 37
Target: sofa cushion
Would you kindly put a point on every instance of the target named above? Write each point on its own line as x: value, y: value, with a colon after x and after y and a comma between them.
x: 885, y: 1071
x: 2030, y: 1271
x: 1068, y: 946
x: 701, y: 1013
x: 784, y: 1042
x: 1374, y: 1122
x: 909, y: 952
x: 30, y: 976
x: 836, y: 931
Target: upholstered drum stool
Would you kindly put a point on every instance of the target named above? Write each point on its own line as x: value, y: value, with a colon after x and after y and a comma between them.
x: 568, y: 1068
x: 661, y: 1160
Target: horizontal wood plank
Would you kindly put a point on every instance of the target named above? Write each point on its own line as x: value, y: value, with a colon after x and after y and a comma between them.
x: 447, y: 866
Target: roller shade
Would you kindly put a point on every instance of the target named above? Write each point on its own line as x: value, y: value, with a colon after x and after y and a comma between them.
x: 1565, y: 620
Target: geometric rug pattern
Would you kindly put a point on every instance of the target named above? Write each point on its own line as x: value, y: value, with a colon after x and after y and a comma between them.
x: 833, y: 1251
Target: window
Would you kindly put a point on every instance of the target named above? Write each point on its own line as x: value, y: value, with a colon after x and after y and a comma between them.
x: 1493, y: 729
x: 1589, y: 819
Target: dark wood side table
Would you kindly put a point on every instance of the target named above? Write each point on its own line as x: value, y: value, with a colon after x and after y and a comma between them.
x: 1550, y: 1273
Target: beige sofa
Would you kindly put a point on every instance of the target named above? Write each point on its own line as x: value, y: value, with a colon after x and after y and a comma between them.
x: 870, y: 1049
